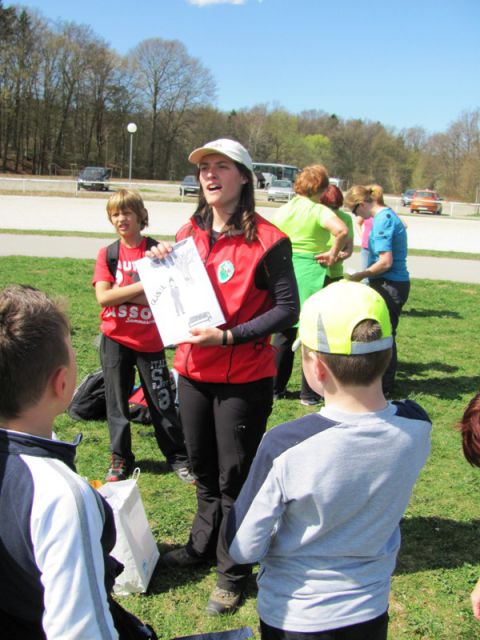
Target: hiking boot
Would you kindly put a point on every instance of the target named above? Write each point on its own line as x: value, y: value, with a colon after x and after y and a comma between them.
x: 184, y: 474
x: 120, y: 469
x: 223, y: 601
x: 180, y: 558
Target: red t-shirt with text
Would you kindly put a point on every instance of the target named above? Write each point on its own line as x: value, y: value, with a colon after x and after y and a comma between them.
x: 129, y: 324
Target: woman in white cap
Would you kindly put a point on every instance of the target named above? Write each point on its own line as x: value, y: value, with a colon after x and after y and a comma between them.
x: 226, y: 374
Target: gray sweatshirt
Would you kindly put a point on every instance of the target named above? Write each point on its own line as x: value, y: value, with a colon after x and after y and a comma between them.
x: 320, y: 511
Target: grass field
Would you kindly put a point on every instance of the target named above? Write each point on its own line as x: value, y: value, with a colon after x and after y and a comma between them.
x: 439, y: 561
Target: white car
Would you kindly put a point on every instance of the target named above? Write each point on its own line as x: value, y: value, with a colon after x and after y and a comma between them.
x: 280, y: 190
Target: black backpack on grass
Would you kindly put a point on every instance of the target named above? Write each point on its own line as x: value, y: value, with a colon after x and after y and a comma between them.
x: 88, y: 402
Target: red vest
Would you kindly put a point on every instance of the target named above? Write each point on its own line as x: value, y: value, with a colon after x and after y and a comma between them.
x: 231, y: 265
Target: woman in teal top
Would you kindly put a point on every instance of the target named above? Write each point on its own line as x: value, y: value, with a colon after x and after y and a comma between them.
x: 310, y: 226
x: 387, y: 259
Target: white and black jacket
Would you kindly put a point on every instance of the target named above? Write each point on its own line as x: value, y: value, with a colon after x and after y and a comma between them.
x: 56, y: 533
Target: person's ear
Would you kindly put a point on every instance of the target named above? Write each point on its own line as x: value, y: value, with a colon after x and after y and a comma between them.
x: 58, y: 383
x: 313, y: 360
x: 321, y: 369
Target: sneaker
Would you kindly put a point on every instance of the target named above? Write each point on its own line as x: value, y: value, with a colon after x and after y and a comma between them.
x: 280, y: 395
x: 120, y: 469
x: 309, y: 402
x: 179, y: 558
x: 184, y: 474
x: 223, y: 601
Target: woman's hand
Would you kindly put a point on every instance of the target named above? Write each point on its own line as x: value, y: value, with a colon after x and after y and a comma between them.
x: 208, y: 336
x: 358, y: 276
x: 160, y: 251
x: 326, y: 259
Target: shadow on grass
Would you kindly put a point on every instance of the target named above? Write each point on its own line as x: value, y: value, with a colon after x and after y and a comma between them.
x: 408, y: 369
x: 148, y: 465
x: 416, y: 377
x: 166, y: 578
x: 437, y: 543
x: 431, y: 313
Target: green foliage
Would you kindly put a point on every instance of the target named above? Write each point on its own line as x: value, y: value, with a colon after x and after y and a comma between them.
x: 65, y: 96
x: 313, y: 149
x: 439, y: 560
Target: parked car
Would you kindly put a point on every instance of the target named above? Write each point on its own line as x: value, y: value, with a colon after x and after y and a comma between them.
x: 189, y: 185
x: 280, y: 190
x: 425, y: 201
x: 94, y: 179
x: 407, y: 197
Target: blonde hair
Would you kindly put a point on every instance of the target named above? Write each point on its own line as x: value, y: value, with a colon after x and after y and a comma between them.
x: 130, y: 199
x: 377, y: 193
x: 358, y: 195
x: 311, y: 181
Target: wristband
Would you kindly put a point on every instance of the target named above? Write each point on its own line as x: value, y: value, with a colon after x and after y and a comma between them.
x: 225, y: 339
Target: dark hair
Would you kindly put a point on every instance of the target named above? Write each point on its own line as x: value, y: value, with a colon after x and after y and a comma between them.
x: 469, y: 427
x: 32, y: 347
x: 244, y: 216
x: 360, y: 370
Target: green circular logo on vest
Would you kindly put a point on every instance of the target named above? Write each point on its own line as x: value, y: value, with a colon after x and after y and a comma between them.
x: 225, y: 271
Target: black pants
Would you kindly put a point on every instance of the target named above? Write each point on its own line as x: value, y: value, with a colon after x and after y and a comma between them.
x: 395, y: 295
x: 283, y: 341
x: 375, y: 629
x: 223, y: 426
x: 118, y: 364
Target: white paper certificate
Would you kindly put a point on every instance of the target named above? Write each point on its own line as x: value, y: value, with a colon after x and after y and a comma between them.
x: 179, y: 293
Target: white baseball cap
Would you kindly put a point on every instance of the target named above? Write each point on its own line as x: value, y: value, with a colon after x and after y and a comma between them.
x: 230, y: 148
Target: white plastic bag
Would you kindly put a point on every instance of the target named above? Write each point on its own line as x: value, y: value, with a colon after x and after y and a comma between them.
x: 135, y: 548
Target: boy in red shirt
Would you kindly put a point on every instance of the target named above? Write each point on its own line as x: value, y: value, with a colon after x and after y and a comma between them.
x: 130, y: 339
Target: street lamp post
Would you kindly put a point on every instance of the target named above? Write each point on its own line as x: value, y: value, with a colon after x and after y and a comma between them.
x: 131, y: 128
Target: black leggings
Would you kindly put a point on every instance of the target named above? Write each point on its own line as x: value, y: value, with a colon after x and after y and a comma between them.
x: 283, y: 341
x: 223, y: 425
x: 375, y: 629
x: 395, y: 295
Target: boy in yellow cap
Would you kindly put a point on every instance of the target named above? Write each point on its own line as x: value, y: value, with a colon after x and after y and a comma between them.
x: 321, y: 507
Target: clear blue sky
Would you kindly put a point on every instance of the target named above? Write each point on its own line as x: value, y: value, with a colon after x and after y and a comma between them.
x: 404, y: 63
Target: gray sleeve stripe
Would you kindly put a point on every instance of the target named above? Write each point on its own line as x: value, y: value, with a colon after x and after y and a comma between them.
x: 87, y: 548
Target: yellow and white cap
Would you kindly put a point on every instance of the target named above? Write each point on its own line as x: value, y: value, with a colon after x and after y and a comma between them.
x: 329, y: 317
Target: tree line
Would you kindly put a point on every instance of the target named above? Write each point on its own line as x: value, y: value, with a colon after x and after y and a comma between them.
x: 66, y: 98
